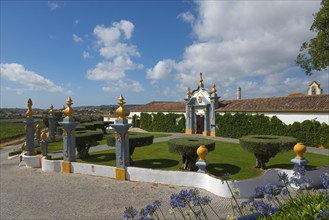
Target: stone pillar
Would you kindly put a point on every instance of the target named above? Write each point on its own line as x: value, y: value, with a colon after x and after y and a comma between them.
x: 29, y: 127
x: 43, y: 143
x: 51, y: 121
x: 192, y: 119
x: 212, y: 112
x: 187, y: 112
x: 206, y: 131
x: 202, y: 163
x: 121, y: 127
x: 68, y: 124
x: 37, y: 135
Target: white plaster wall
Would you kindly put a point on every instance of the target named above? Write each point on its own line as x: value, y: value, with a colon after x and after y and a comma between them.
x: 188, y: 179
x: 51, y: 165
x: 92, y: 169
x: 31, y: 161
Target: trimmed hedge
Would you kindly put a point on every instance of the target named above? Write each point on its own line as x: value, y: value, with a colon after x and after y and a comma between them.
x: 187, y: 148
x: 163, y: 122
x: 265, y: 147
x: 86, y: 139
x: 136, y: 139
x: 309, y: 132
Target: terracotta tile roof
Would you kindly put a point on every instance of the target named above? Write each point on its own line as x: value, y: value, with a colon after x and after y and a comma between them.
x: 311, y: 103
x: 158, y: 106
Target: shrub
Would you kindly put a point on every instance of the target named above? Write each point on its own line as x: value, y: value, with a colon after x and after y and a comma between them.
x: 187, y: 148
x: 86, y: 139
x: 59, y: 131
x: 15, y: 152
x: 163, y: 122
x: 265, y: 147
x: 136, y: 139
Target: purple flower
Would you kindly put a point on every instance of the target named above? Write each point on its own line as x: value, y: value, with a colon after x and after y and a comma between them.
x: 285, y: 192
x: 325, y: 179
x: 130, y: 212
x: 265, y: 209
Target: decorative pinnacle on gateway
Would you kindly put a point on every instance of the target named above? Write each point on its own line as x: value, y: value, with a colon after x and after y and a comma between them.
x: 188, y: 93
x: 29, y: 111
x: 214, y: 90
x: 51, y: 109
x: 68, y: 111
x: 201, y: 80
x: 120, y: 111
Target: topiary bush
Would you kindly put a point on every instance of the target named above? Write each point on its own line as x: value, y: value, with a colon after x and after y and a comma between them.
x: 187, y: 148
x: 136, y: 139
x: 265, y: 147
x: 86, y: 139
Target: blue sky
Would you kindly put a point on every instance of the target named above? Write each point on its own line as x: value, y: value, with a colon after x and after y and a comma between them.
x: 94, y: 51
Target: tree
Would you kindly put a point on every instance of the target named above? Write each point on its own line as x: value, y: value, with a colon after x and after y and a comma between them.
x: 314, y: 55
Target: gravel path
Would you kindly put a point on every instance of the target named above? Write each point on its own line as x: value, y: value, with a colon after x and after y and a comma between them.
x: 28, y: 193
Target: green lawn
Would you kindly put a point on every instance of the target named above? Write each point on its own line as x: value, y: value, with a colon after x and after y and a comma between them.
x: 11, y: 128
x: 226, y: 158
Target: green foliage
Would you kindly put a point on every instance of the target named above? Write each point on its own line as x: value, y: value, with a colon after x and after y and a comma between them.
x: 10, y: 129
x: 187, y: 147
x: 314, y: 55
x: 163, y: 122
x: 304, y: 206
x: 265, y: 147
x: 134, y: 118
x: 15, y: 152
x: 146, y: 121
x: 86, y: 139
x: 311, y: 133
x: 136, y: 139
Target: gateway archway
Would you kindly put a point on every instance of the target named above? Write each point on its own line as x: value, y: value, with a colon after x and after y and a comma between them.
x: 200, y: 110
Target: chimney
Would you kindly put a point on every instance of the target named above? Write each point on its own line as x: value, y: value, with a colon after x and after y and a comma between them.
x: 238, y: 93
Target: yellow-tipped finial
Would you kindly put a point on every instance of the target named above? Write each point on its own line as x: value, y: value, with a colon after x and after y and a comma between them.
x: 120, y: 111
x: 51, y: 109
x: 201, y: 80
x: 43, y: 135
x: 188, y: 93
x: 68, y: 111
x: 213, y: 90
x: 29, y: 111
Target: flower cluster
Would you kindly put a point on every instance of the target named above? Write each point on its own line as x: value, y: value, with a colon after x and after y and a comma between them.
x: 298, y: 178
x: 325, y: 180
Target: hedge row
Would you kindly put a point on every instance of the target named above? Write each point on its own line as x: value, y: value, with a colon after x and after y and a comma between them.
x: 311, y: 133
x: 163, y: 122
x: 135, y: 140
x: 86, y: 139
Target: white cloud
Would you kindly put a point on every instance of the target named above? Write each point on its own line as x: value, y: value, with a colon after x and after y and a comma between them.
x: 77, y: 39
x: 53, y: 5
x: 32, y: 81
x: 86, y: 55
x: 162, y: 70
x: 252, y: 42
x: 187, y: 17
x: 123, y: 86
x: 116, y: 51
x: 76, y: 22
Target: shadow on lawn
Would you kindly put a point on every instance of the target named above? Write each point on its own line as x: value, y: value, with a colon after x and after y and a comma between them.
x: 156, y: 163
x: 100, y: 157
x: 288, y: 166
x: 219, y: 169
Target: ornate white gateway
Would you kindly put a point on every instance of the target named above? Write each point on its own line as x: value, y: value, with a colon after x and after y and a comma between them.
x: 200, y: 110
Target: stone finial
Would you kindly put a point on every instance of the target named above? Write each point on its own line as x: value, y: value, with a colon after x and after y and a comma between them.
x: 299, y: 149
x: 121, y: 111
x: 201, y: 80
x: 213, y: 90
x: 43, y: 135
x: 68, y: 111
x: 29, y: 111
x: 188, y: 93
x: 51, y: 109
x: 37, y: 127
